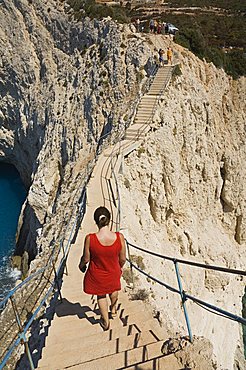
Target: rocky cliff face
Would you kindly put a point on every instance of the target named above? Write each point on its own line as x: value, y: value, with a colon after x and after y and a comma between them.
x: 63, y: 85
x: 66, y: 83
x: 188, y: 199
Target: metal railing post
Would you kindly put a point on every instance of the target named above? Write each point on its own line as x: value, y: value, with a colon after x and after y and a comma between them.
x: 65, y: 258
x: 57, y: 280
x: 22, y: 334
x: 183, y: 299
x: 131, y: 269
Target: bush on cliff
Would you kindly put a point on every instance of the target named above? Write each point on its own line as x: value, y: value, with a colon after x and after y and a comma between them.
x: 92, y: 9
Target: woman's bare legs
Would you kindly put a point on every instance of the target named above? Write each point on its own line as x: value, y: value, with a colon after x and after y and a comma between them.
x: 113, y: 298
x: 103, y: 307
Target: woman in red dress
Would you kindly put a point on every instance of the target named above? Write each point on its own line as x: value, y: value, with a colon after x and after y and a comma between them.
x: 106, y: 253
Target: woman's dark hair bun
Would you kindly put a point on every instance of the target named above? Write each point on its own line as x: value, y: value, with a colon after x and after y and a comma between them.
x: 102, y: 216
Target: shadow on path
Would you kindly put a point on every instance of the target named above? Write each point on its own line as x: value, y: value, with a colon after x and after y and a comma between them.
x: 66, y: 308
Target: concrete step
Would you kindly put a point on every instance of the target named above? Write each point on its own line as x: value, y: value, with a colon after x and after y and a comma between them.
x: 161, y: 363
x: 135, y: 137
x: 147, y: 100
x: 136, y: 133
x: 149, y: 113
x: 84, y: 351
x: 90, y: 324
x: 142, y: 121
x: 147, y: 105
x: 158, y: 86
x: 132, y: 145
x: 158, y: 83
x: 143, y: 115
x: 156, y: 92
x: 147, y: 108
x: 124, y: 359
x: 99, y: 336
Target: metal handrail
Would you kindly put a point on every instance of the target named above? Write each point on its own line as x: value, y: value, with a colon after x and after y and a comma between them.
x: 184, y: 296
x: 191, y: 263
x: 188, y: 296
x: 22, y: 334
x: 109, y: 167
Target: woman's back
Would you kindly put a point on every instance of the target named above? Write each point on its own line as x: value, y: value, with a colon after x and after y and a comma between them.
x: 103, y: 274
x: 106, y: 237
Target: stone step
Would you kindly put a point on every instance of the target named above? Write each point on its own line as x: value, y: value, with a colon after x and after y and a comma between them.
x: 79, y: 352
x: 136, y: 133
x: 132, y: 145
x: 99, y: 336
x: 169, y: 362
x: 124, y: 359
x: 147, y: 104
x: 140, y: 132
x: 147, y: 99
x: 143, y: 116
x: 90, y: 323
x: 142, y: 121
x: 157, y: 92
x: 147, y: 112
x: 134, y: 137
x: 145, y: 108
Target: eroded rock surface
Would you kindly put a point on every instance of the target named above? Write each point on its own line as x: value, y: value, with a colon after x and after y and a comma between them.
x: 188, y: 199
x: 63, y: 85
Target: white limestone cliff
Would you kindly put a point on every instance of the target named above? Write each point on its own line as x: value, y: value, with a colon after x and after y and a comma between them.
x: 188, y: 200
x: 65, y: 83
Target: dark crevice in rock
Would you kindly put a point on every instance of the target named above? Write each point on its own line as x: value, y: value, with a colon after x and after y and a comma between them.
x: 239, y: 220
x: 27, y: 234
x: 152, y: 204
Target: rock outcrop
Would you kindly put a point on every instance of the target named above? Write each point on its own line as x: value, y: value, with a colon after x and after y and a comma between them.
x: 188, y: 199
x: 64, y: 84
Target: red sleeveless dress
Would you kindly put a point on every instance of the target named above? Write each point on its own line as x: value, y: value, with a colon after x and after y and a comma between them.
x: 104, y: 271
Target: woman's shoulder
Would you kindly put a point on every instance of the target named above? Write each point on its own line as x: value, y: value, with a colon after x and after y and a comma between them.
x: 121, y: 236
x: 88, y: 236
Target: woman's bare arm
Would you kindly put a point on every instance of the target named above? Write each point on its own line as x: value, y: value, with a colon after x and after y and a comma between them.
x: 122, y: 255
x: 86, y: 253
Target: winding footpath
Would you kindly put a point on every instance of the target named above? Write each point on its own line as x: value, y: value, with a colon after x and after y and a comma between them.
x: 75, y: 339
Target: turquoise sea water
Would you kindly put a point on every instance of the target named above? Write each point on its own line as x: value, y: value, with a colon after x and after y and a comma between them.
x: 12, y: 196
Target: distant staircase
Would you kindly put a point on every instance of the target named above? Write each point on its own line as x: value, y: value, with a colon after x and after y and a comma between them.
x: 147, y: 106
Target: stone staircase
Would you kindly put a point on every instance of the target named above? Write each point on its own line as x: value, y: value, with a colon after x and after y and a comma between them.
x: 75, y: 339
x: 146, y: 108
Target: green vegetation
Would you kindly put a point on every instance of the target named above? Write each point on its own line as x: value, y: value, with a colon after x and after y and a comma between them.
x: 91, y: 9
x: 176, y: 72
x: 235, y: 5
x: 220, y: 39
x: 212, y: 30
x: 140, y: 295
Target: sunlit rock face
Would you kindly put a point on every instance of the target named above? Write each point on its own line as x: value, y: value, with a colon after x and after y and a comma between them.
x: 188, y: 199
x: 63, y: 84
